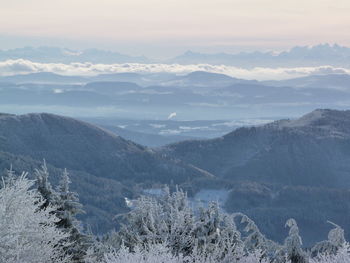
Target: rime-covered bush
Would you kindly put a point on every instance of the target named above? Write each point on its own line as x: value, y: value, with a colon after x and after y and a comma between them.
x: 341, y: 256
x: 39, y: 226
x: 335, y: 241
x: 166, y: 228
x: 170, y: 220
x: 160, y: 253
x: 254, y: 240
x: 153, y: 254
x: 28, y: 234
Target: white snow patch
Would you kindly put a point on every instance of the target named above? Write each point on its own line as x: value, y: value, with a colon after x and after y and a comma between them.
x: 154, y: 191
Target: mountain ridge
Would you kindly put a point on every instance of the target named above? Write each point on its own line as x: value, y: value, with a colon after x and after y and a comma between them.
x: 322, y: 54
x: 295, y: 164
x: 104, y: 167
x: 65, y: 55
x: 298, y: 56
x: 322, y: 123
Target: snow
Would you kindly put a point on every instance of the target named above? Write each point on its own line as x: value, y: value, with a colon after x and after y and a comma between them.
x: 154, y: 191
x: 205, y: 196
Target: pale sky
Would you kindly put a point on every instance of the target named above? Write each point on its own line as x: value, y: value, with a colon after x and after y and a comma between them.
x: 160, y: 27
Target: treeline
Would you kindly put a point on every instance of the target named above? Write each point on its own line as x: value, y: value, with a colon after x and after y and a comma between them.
x: 38, y: 224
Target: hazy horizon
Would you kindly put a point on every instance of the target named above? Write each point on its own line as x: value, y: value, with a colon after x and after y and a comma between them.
x: 150, y: 38
x: 163, y: 29
x: 21, y: 43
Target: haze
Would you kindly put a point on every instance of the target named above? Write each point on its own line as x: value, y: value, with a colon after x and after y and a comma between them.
x: 163, y: 28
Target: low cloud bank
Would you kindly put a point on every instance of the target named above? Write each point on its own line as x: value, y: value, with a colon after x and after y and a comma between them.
x: 21, y: 66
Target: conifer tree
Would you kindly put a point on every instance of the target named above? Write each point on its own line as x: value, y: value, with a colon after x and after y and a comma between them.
x: 254, y: 240
x: 28, y: 233
x: 68, y: 207
x: 68, y: 203
x: 44, y: 186
x: 293, y: 243
x: 216, y: 235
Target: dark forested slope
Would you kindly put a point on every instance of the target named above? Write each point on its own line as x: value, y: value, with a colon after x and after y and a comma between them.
x: 104, y: 167
x: 289, y: 168
x: 313, y: 150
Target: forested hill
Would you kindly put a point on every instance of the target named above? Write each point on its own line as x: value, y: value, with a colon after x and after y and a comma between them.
x: 105, y: 168
x: 77, y: 145
x: 313, y: 150
x: 289, y: 168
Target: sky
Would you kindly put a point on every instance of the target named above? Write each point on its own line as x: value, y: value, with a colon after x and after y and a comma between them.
x: 163, y: 28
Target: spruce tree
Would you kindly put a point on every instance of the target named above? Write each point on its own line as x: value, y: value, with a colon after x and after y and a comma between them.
x: 67, y: 203
x: 44, y: 186
x: 293, y: 243
x: 68, y: 207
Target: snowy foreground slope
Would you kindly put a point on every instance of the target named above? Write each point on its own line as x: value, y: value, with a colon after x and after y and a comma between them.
x: 38, y: 224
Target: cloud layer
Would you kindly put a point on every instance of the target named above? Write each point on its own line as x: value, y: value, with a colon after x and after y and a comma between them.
x: 21, y: 66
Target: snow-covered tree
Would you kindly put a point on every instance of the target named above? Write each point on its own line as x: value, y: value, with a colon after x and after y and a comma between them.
x: 161, y: 253
x: 44, y: 186
x: 254, y: 240
x: 68, y: 207
x: 158, y: 253
x: 335, y: 241
x: 145, y: 224
x: 10, y: 176
x: 216, y: 235
x: 293, y: 243
x: 341, y: 256
x: 68, y: 203
x: 158, y: 220
x: 98, y: 250
x: 170, y: 220
x: 166, y: 229
x: 28, y: 234
x: 179, y: 221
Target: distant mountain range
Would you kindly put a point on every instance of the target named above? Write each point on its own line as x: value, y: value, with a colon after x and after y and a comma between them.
x: 64, y: 55
x: 196, y: 78
x: 43, y: 78
x: 323, y: 54
x: 327, y: 81
x: 195, y: 96
x: 318, y: 55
